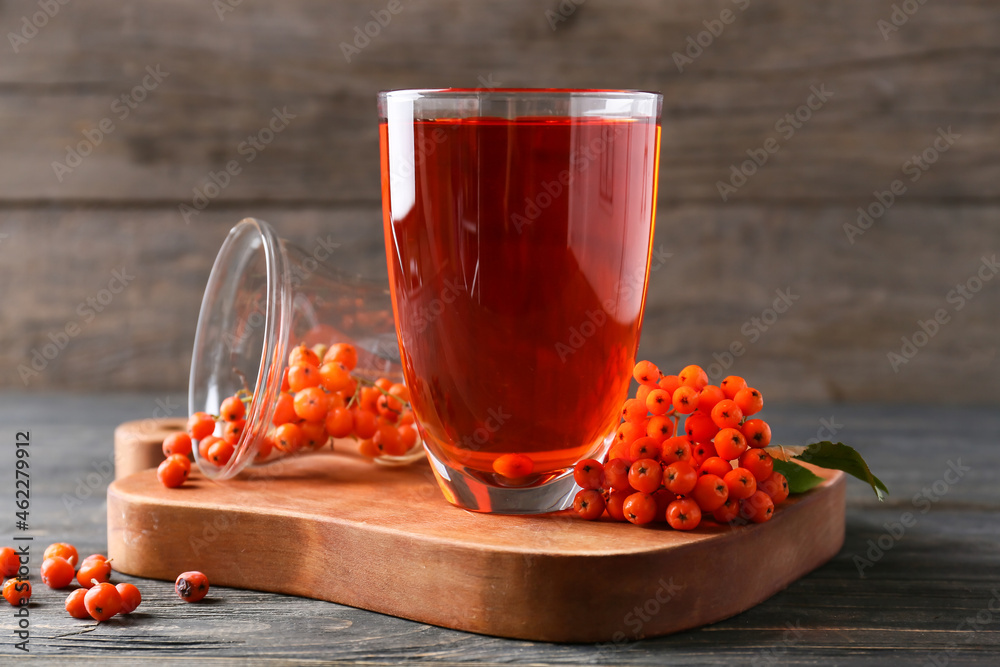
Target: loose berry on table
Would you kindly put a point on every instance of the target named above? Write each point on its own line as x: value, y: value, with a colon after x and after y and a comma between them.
x: 177, y: 443
x: 75, y: 605
x: 174, y: 470
x: 200, y: 425
x: 64, y: 550
x: 57, y: 572
x: 102, y: 601
x: 131, y: 597
x: 191, y: 586
x: 93, y: 568
x: 17, y: 592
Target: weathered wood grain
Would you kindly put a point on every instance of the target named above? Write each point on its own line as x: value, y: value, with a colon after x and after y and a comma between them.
x: 853, y: 303
x: 223, y: 78
x: 909, y: 608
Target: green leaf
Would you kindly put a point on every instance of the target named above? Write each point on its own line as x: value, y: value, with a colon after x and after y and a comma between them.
x: 838, y: 456
x: 800, y: 479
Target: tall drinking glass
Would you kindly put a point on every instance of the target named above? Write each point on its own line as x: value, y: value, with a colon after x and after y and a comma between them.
x: 518, y: 229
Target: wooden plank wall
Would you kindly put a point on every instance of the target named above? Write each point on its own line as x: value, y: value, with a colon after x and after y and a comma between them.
x: 211, y: 74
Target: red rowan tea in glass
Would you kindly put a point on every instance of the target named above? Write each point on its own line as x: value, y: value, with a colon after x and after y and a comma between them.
x: 518, y: 229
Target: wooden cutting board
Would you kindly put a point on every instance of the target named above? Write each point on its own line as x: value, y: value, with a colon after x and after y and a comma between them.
x: 337, y: 527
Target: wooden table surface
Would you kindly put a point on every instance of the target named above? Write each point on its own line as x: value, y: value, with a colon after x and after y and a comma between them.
x: 916, y: 583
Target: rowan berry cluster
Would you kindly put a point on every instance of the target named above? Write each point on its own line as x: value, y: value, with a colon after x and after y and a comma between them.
x: 320, y: 401
x: 717, y: 469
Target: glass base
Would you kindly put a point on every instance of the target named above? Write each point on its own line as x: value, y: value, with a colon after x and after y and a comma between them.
x: 467, y: 490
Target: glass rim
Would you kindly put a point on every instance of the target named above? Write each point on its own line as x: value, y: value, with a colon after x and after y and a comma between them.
x: 527, y: 93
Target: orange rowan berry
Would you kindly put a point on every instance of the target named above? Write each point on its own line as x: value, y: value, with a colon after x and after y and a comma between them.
x: 757, y: 508
x: 685, y: 399
x: 730, y: 443
x: 303, y: 376
x: 693, y: 376
x: 339, y: 423
x: 710, y: 491
x: 311, y: 404
x: 131, y: 597
x: 301, y: 354
x: 173, y: 471
x: 284, y: 409
x: 10, y: 562
x: 513, y: 466
x: 288, y: 438
x: 63, y: 550
x: 726, y: 414
x: 334, y: 376
x: 683, y: 514
x: 94, y: 567
x: 757, y: 432
x: 639, y: 508
x: 177, y: 443
x: 200, y: 425
x: 758, y: 462
x: 191, y: 586
x: 660, y: 428
x: 343, y: 353
x: 732, y: 385
x: 589, y: 474
x: 646, y: 372
x: 74, y: 604
x: 741, y: 483
x: 232, y: 409
x: 589, y: 504
x: 57, y: 572
x: 17, y: 592
x: 776, y: 486
x: 749, y: 401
